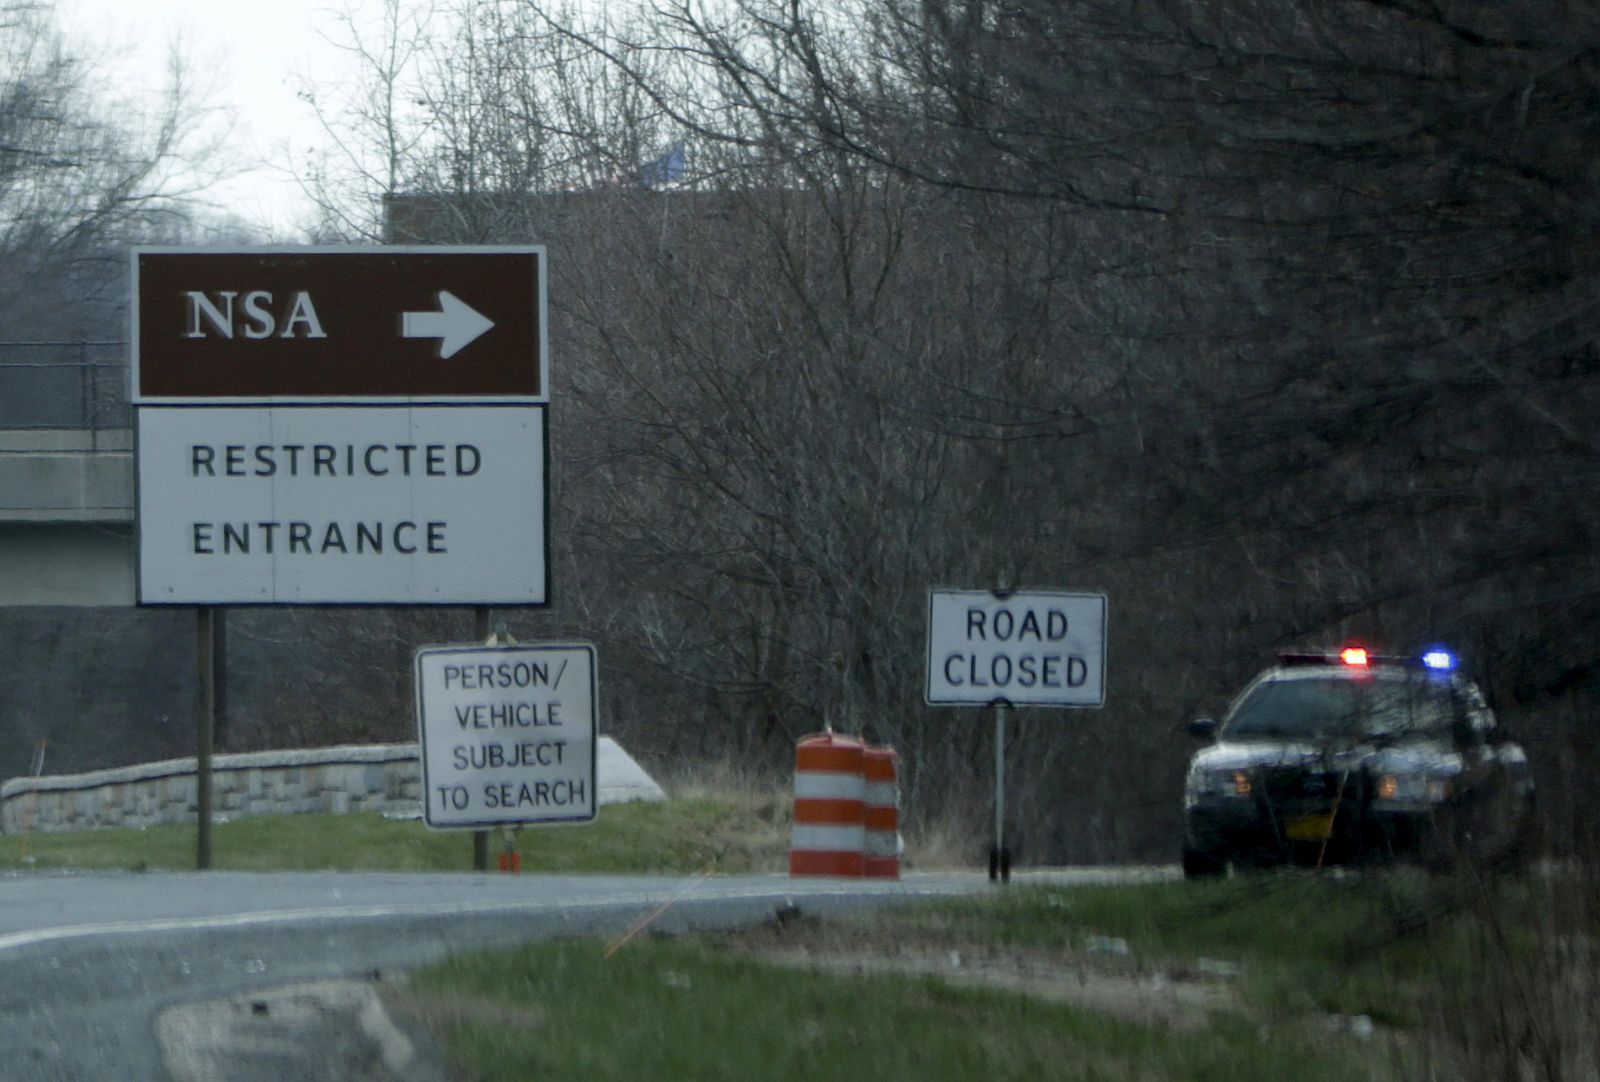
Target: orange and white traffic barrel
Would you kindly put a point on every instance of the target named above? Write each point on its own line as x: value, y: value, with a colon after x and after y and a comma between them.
x: 882, y: 812
x: 829, y: 832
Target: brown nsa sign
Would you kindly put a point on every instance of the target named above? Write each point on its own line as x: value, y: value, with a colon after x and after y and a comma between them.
x: 339, y: 323
x: 341, y: 425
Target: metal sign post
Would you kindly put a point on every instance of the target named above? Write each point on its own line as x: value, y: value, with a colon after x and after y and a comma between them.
x: 205, y: 728
x: 480, y: 838
x: 1013, y: 648
x: 999, y: 855
x: 332, y: 425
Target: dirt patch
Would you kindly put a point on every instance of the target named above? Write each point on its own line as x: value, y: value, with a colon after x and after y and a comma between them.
x: 318, y: 1031
x: 1101, y: 977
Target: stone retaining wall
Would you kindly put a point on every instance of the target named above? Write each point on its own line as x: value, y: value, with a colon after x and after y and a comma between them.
x: 340, y: 780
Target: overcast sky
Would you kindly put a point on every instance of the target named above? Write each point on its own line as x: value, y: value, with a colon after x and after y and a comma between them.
x: 255, y: 54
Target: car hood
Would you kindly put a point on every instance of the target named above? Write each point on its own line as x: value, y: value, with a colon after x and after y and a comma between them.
x: 1433, y: 756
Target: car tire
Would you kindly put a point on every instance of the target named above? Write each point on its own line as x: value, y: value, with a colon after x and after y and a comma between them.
x: 1201, y: 865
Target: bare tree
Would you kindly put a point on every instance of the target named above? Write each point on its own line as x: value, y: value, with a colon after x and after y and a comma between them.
x: 81, y: 174
x: 1336, y: 259
x: 469, y: 102
x: 1273, y: 320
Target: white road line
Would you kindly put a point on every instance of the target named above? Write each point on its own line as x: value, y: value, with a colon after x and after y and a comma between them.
x: 33, y: 937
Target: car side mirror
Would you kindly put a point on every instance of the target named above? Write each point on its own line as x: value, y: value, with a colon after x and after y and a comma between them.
x: 1203, y: 728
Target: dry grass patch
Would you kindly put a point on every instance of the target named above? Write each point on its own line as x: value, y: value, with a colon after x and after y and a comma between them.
x: 1169, y: 996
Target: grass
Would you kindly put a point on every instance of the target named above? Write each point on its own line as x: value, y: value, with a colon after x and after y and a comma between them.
x: 1393, y: 946
x: 1307, y: 944
x: 687, y: 1009
x: 1437, y: 964
x: 675, y: 836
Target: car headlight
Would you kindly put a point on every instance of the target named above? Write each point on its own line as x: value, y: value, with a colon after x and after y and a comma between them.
x: 1217, y: 783
x: 1415, y: 788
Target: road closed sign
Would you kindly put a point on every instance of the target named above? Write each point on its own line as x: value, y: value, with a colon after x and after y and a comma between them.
x: 1043, y: 648
x: 507, y: 734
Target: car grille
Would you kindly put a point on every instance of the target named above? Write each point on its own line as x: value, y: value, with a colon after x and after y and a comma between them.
x: 1297, y: 788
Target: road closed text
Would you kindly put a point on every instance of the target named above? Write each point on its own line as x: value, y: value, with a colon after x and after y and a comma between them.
x: 1037, y: 649
x: 1002, y: 671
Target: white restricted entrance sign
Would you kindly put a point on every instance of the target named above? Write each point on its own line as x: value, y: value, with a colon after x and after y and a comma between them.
x: 250, y: 505
x: 507, y: 734
x: 1044, y: 648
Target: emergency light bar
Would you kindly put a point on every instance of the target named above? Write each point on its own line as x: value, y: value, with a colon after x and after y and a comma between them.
x: 1357, y: 657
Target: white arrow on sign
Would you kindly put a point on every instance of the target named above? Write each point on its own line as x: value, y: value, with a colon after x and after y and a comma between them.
x: 456, y: 324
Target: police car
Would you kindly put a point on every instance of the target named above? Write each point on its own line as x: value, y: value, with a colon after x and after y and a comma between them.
x: 1349, y: 757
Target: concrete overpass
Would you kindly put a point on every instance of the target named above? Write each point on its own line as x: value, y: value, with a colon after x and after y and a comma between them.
x: 66, y: 476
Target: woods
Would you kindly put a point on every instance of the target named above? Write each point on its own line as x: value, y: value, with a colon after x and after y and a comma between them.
x: 84, y: 171
x: 1275, y: 322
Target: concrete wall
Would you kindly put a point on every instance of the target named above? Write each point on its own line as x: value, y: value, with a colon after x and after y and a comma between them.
x: 66, y: 476
x: 67, y: 563
x: 340, y: 780
x: 66, y: 515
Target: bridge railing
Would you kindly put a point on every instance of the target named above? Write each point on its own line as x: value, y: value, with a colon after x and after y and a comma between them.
x: 64, y: 385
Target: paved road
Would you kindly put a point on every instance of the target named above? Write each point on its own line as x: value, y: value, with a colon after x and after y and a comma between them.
x: 93, y: 964
x: 141, y: 976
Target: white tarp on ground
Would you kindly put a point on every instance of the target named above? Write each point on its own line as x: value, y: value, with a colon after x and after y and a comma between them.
x: 620, y: 778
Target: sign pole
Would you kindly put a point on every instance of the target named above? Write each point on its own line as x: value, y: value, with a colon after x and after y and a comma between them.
x: 480, y: 838
x: 999, y: 856
x: 205, y: 666
x: 219, y: 665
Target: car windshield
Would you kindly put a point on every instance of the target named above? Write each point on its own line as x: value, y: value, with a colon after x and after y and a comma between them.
x: 1342, y: 706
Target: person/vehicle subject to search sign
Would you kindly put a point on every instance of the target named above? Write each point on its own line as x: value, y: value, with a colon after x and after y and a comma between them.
x: 507, y: 734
